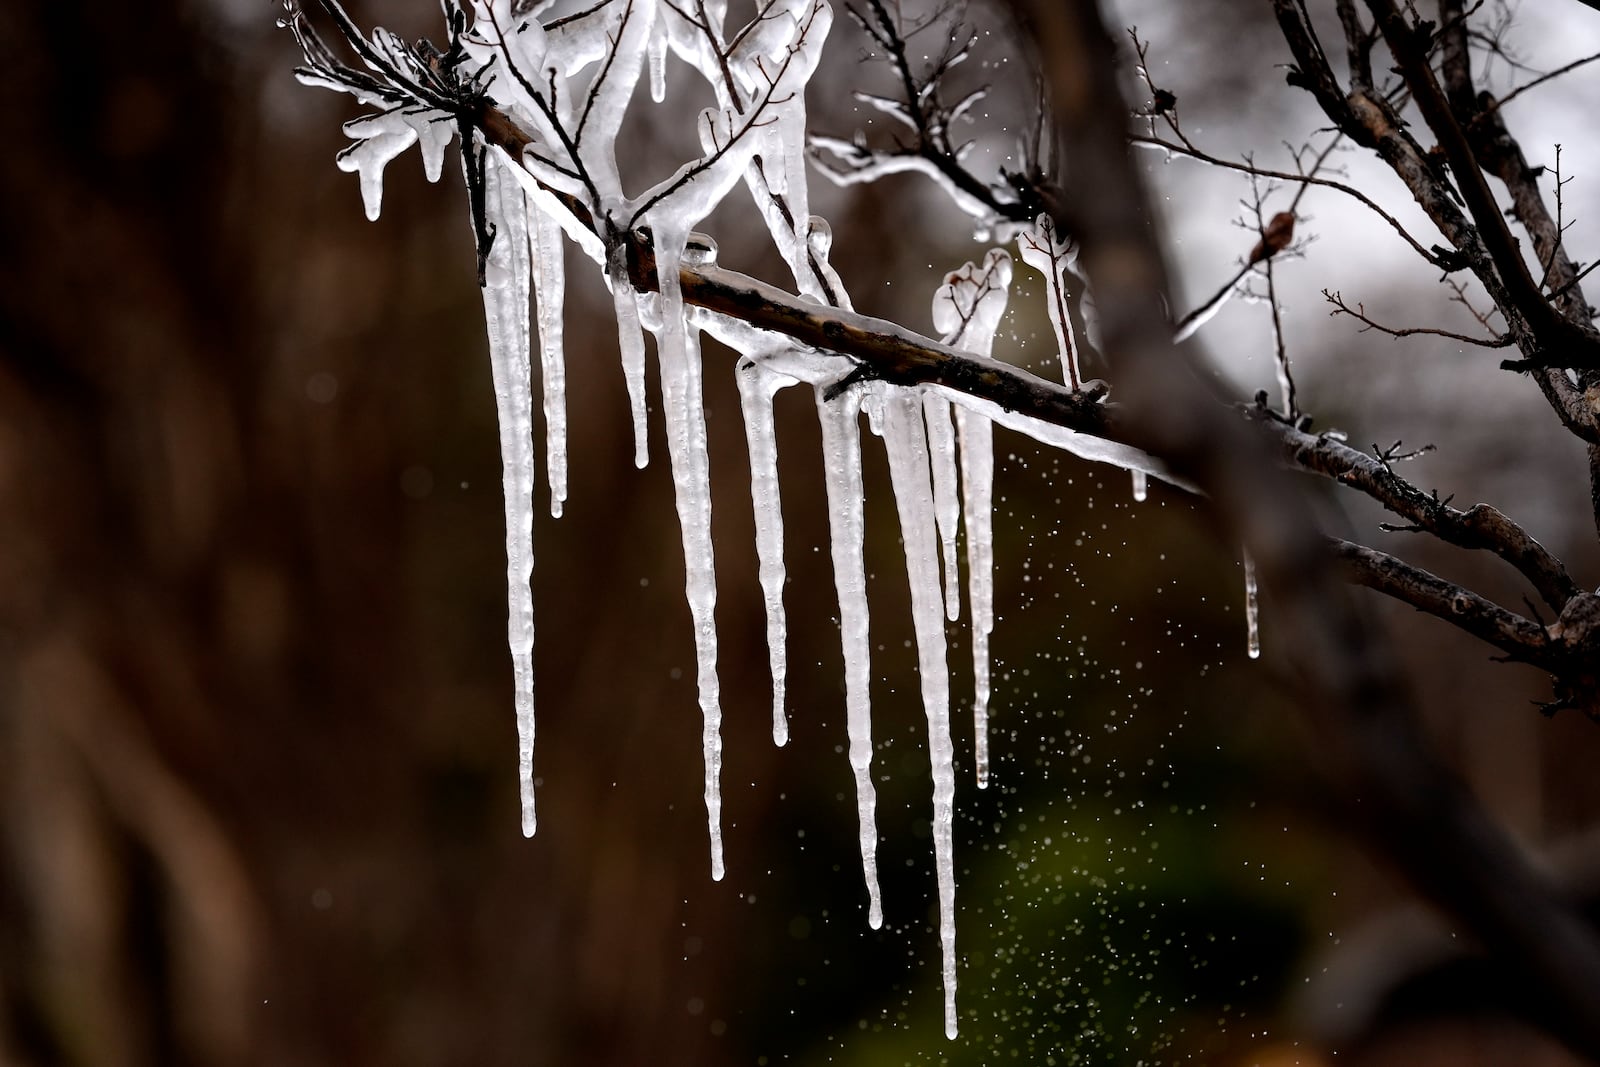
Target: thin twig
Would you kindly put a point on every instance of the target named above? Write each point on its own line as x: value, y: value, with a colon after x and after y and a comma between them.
x: 1359, y: 313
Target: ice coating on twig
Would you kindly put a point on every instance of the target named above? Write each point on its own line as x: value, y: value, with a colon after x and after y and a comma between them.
x: 622, y: 43
x: 757, y: 386
x: 819, y: 243
x: 379, y: 138
x: 854, y: 163
x: 783, y: 147
x: 1252, y: 609
x: 907, y: 445
x: 546, y: 204
x: 966, y: 312
x: 841, y: 465
x: 1051, y: 253
x: 550, y: 289
x: 1083, y: 445
x: 512, y: 49
x: 505, y: 301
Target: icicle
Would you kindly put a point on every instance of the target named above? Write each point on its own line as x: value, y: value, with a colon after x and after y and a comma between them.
x: 434, y: 131
x: 907, y: 446
x: 1252, y: 617
x: 841, y: 461
x: 682, y: 403
x: 550, y: 285
x: 379, y: 138
x: 966, y: 312
x: 1141, y: 486
x: 977, y: 487
x: 946, y: 498
x: 631, y: 343
x: 505, y: 301
x: 658, y: 64
x: 756, y: 389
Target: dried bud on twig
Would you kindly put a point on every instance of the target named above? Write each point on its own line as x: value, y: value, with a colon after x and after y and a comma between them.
x: 1275, y: 238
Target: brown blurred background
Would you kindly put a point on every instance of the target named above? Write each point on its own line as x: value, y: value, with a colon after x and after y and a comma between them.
x: 257, y: 757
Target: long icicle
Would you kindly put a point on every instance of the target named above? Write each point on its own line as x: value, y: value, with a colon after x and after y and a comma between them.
x: 977, y: 489
x: 906, y: 443
x: 946, y: 496
x: 966, y: 312
x: 756, y: 389
x: 841, y: 462
x: 550, y: 288
x: 1252, y: 610
x: 505, y: 302
x: 631, y: 345
x: 678, y: 349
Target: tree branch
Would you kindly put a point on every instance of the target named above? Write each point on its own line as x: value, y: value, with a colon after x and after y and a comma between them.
x: 896, y: 354
x: 1478, y: 527
x: 1413, y: 807
x: 1492, y: 144
x: 1520, y: 638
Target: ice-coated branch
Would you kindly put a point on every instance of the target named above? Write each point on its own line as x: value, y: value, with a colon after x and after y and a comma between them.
x: 887, y: 351
x: 931, y: 151
x: 505, y: 95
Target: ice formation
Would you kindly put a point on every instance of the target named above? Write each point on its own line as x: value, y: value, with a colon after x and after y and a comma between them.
x: 907, y: 444
x: 1051, y: 254
x: 757, y: 385
x: 505, y: 301
x: 567, y: 82
x: 966, y: 313
x: 1252, y: 616
x: 841, y: 466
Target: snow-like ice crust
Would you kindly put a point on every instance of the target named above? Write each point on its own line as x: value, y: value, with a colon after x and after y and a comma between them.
x: 568, y: 82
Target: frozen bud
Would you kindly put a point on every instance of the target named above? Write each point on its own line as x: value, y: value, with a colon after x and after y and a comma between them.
x: 700, y: 251
x: 819, y: 235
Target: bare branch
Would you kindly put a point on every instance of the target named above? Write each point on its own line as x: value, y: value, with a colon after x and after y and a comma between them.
x: 1359, y: 313
x: 1517, y: 637
x: 1543, y: 78
x: 1478, y: 527
x: 1301, y: 179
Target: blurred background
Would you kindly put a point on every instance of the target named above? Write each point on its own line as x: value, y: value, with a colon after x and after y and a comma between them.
x: 257, y: 757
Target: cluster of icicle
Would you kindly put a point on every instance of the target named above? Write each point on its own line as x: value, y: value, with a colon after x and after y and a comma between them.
x: 567, y: 82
